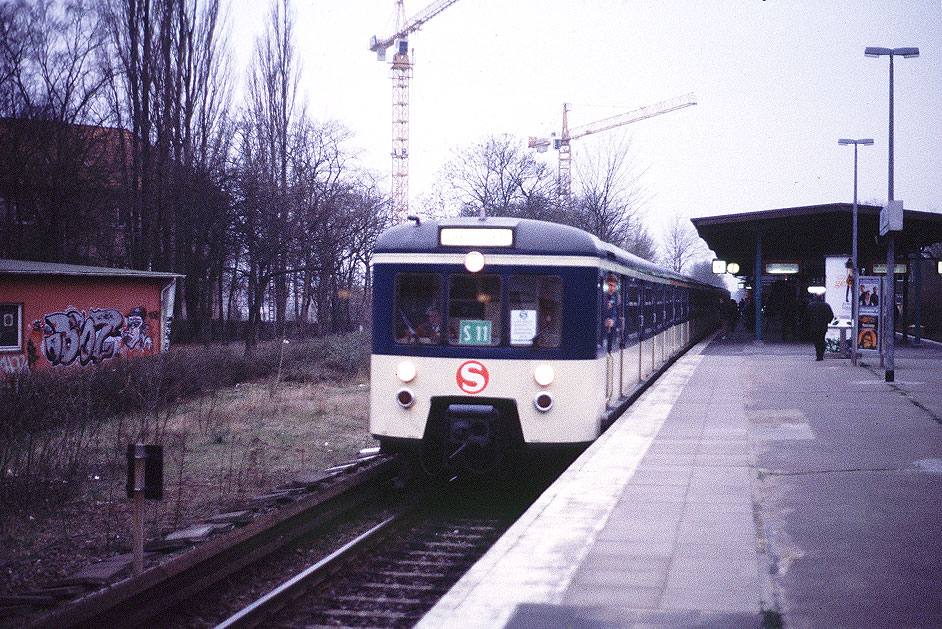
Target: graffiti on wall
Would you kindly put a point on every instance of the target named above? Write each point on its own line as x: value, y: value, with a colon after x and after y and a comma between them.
x: 94, y: 336
x: 13, y: 363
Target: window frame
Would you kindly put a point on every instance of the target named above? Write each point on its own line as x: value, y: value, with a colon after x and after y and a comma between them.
x: 18, y: 323
x: 497, y: 333
x: 397, y: 310
x: 557, y: 314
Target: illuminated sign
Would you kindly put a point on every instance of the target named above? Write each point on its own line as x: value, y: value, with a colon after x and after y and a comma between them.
x: 719, y: 266
x: 782, y: 268
x: 476, y: 237
x: 732, y: 267
x: 898, y: 268
x: 939, y: 269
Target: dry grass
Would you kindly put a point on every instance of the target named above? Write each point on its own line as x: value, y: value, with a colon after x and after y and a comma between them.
x: 220, y: 450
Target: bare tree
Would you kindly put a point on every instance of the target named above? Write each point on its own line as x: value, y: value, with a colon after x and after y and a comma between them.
x: 499, y: 176
x: 610, y: 198
x: 269, y: 216
x: 703, y: 271
x: 682, y: 244
x: 51, y: 90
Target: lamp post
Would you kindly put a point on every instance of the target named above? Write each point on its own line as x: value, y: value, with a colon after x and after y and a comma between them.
x: 889, y: 295
x: 853, y: 255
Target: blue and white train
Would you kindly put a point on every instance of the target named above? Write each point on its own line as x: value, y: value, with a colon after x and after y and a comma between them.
x: 495, y: 336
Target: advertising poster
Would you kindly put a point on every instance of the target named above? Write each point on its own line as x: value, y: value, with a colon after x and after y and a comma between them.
x: 839, y: 279
x: 868, y: 313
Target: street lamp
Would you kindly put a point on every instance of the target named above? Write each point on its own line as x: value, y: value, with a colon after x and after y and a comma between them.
x: 853, y: 255
x: 889, y: 295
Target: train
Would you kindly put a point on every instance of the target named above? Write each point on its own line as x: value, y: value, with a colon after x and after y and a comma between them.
x: 497, y: 337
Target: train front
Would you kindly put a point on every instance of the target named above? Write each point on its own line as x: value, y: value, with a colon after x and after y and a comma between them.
x: 468, y: 366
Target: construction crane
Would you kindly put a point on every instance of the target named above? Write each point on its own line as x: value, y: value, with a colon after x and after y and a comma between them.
x: 564, y: 181
x: 401, y: 73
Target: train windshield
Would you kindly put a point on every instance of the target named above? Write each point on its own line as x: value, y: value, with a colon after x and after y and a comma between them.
x: 474, y: 309
x: 417, y: 309
x: 535, y: 310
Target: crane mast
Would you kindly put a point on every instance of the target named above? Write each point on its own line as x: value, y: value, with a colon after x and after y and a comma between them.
x: 564, y: 181
x: 401, y: 75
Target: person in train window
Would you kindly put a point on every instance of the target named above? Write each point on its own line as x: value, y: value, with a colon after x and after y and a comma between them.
x: 430, y: 332
x: 611, y: 310
x: 819, y: 316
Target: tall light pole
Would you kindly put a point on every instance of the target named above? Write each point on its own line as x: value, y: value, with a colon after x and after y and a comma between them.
x: 853, y: 255
x: 889, y: 296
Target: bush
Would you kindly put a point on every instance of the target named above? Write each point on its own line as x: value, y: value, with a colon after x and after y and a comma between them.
x: 51, y: 420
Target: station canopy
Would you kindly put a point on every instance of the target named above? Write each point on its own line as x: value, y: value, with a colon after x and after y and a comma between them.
x: 814, y: 231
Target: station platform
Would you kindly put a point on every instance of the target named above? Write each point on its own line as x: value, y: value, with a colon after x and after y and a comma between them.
x: 750, y: 486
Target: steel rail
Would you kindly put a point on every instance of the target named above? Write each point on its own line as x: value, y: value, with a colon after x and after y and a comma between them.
x: 134, y: 601
x: 257, y: 612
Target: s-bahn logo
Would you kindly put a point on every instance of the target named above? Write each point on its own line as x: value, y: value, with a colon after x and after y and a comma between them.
x: 472, y: 377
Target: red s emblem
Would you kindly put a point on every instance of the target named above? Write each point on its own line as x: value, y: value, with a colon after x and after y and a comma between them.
x: 472, y: 377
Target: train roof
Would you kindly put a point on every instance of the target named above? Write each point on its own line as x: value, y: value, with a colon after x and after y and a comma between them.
x: 528, y: 236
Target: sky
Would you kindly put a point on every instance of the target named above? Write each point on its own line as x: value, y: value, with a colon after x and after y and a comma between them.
x: 777, y: 82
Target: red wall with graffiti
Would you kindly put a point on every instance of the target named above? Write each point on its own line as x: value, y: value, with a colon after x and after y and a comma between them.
x: 68, y: 321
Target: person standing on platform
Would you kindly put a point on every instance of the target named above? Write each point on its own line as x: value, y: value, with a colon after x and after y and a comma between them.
x: 729, y: 313
x: 819, y: 315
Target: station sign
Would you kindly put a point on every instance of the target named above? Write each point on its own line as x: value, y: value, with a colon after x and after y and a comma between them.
x: 899, y: 268
x: 782, y: 268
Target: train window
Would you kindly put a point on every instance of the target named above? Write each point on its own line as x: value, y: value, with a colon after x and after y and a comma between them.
x: 535, y: 308
x: 417, y: 309
x: 668, y: 305
x: 661, y: 307
x: 648, y: 321
x: 474, y: 309
x: 632, y: 311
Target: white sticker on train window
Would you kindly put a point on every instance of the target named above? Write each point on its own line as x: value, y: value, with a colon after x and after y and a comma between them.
x: 522, y: 327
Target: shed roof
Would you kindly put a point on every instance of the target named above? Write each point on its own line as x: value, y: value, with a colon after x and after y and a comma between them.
x: 27, y: 267
x: 814, y: 231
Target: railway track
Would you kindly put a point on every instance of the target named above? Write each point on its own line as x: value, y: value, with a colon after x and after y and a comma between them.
x: 391, y: 575
x: 137, y: 601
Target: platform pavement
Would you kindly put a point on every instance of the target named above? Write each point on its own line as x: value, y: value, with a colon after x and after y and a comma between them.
x: 751, y: 485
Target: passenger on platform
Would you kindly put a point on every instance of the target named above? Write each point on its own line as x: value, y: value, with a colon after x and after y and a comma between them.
x: 819, y: 315
x: 749, y: 313
x: 789, y: 317
x: 729, y: 313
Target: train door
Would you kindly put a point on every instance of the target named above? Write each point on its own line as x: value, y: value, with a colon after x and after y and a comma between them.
x: 647, y: 333
x: 665, y: 336
x: 611, y: 334
x: 670, y: 343
x: 631, y: 342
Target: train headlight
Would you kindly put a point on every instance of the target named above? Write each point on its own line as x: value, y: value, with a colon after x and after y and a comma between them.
x: 406, y: 371
x: 544, y: 375
x: 405, y: 398
x: 474, y: 261
x: 543, y: 401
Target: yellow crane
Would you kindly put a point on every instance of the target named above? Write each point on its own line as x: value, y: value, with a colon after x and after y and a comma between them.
x: 564, y: 181
x: 401, y: 73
